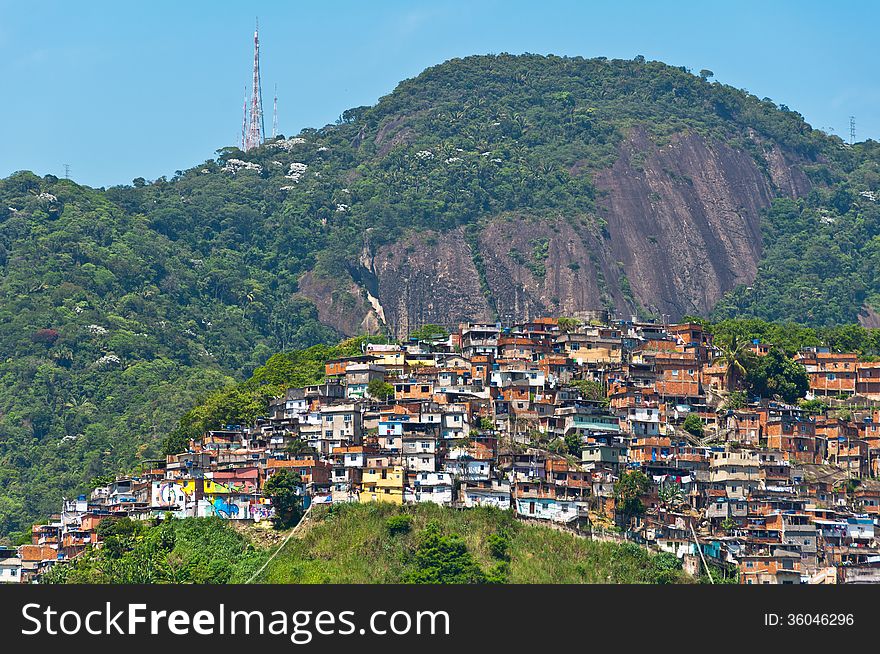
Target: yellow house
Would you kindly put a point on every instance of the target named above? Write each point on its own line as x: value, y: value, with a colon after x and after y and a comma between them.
x: 392, y: 357
x: 416, y: 361
x: 382, y: 485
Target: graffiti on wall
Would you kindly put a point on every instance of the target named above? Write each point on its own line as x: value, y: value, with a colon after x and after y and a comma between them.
x: 167, y: 494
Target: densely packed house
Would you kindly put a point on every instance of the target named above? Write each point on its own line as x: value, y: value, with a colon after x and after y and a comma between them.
x: 544, y: 419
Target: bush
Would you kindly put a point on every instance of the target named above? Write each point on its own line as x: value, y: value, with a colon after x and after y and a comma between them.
x: 693, y: 425
x: 443, y: 559
x: 499, y: 546
x: 666, y: 568
x: 398, y: 524
x: 498, y: 573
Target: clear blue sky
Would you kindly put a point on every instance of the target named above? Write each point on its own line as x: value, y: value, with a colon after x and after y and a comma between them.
x: 121, y: 90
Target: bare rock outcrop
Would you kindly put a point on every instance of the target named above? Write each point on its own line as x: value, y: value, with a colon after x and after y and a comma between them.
x: 678, y: 226
x: 340, y: 304
x: 551, y: 266
x: 684, y: 218
x: 428, y: 278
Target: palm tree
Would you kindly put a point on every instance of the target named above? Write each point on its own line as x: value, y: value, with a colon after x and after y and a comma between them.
x: 671, y: 495
x: 735, y: 357
x: 299, y: 447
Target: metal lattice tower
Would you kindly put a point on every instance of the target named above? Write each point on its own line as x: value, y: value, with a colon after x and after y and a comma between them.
x: 852, y: 130
x: 256, y: 128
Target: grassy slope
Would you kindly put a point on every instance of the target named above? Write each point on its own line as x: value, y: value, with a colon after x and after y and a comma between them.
x: 351, y: 545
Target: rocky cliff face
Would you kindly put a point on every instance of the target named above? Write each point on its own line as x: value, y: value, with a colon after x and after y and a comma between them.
x: 684, y: 219
x: 341, y: 304
x: 678, y: 226
x: 428, y: 278
x: 540, y: 267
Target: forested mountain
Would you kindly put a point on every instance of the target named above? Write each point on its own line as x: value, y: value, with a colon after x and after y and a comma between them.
x: 487, y: 187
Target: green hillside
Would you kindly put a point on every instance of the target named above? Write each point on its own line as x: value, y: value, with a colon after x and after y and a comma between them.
x: 122, y: 308
x: 365, y: 544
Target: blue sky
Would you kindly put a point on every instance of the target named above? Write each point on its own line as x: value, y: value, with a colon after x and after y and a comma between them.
x: 120, y: 90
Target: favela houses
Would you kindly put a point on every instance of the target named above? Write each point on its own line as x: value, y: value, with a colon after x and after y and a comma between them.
x: 741, y: 459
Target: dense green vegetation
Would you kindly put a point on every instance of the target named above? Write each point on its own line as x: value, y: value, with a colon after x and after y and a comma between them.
x: 366, y: 543
x: 110, y: 329
x: 821, y: 262
x: 122, y: 308
x: 777, y: 375
x: 190, y: 551
x: 285, y: 490
x: 791, y: 336
x: 370, y: 543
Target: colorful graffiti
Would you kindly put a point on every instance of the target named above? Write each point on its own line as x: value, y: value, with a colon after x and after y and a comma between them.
x: 167, y: 494
x: 231, y: 487
x: 225, y: 509
x: 258, y: 512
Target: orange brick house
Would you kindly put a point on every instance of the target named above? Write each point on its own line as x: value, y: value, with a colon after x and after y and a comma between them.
x: 830, y: 373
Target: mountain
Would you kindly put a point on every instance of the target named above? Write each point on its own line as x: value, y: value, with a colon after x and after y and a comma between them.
x: 490, y: 187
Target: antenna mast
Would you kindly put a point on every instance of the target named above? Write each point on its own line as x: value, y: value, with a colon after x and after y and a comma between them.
x: 852, y: 130
x: 256, y: 128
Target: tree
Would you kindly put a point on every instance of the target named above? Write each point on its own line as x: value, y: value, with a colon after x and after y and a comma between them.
x: 666, y: 568
x: 380, y: 389
x: 736, y: 357
x: 175, y: 442
x: 443, y: 559
x: 628, y: 491
x: 284, y: 490
x: 567, y: 325
x: 671, y: 494
x: 706, y: 73
x: 777, y: 375
x: 429, y: 332
x: 299, y: 447
x: 736, y: 400
x: 574, y: 444
x: 693, y: 425
x: 728, y: 524
x: 558, y: 446
x: 590, y: 390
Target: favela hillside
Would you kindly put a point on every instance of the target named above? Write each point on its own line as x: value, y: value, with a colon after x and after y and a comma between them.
x: 557, y: 450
